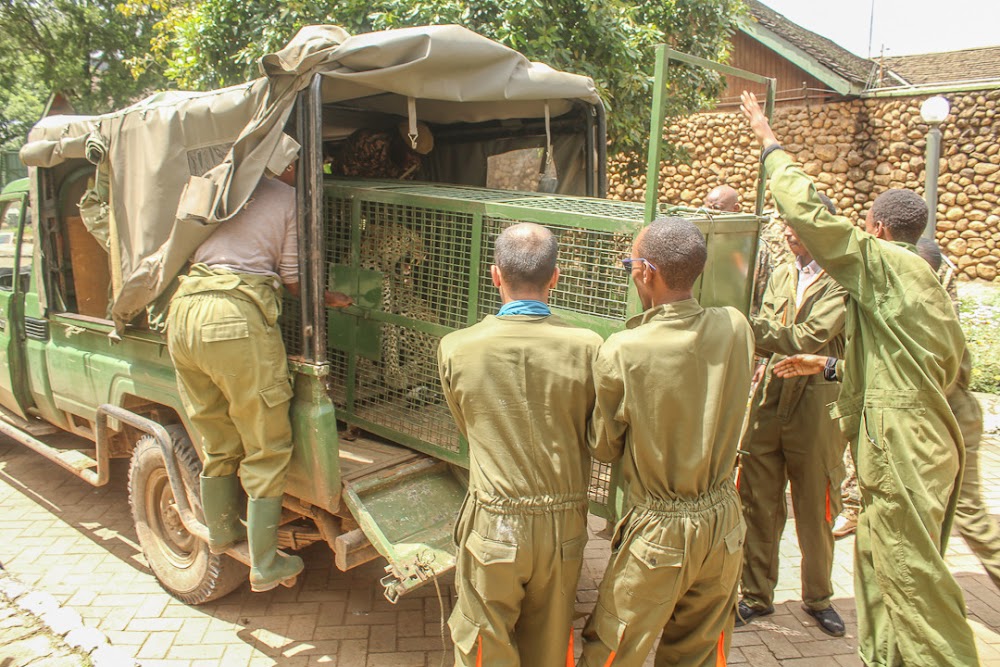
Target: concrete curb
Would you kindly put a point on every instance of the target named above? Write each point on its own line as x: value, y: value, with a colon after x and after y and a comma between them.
x: 64, y: 623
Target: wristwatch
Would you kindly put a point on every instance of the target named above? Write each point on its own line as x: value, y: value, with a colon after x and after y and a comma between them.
x: 830, y: 369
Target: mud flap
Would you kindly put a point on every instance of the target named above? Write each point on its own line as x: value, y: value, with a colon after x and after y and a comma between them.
x: 408, y: 513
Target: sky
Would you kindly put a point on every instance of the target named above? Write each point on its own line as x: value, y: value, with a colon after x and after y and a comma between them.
x: 904, y: 27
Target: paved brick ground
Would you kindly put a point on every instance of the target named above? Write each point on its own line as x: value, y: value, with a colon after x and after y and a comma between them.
x: 26, y: 642
x: 60, y: 535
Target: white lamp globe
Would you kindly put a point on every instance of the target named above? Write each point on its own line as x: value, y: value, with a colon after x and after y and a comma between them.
x: 935, y: 109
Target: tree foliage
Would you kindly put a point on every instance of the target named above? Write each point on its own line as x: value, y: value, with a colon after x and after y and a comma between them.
x: 77, y: 47
x: 210, y: 43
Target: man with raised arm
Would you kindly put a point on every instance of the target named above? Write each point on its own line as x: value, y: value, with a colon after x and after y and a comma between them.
x: 980, y: 530
x: 904, y: 350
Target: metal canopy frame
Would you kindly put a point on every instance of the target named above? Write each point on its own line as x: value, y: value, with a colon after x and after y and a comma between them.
x: 664, y: 56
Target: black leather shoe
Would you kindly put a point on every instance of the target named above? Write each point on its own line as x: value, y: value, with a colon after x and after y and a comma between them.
x: 828, y: 620
x: 745, y: 612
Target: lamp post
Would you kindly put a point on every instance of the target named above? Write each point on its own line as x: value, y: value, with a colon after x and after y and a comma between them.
x: 934, y: 110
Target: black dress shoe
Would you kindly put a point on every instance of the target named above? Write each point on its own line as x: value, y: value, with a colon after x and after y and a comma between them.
x: 828, y: 620
x: 745, y: 612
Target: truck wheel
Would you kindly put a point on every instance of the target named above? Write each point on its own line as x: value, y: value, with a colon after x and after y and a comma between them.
x: 180, y: 561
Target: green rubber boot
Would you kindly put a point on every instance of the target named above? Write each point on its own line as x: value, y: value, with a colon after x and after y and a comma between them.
x: 268, y: 568
x: 220, y: 498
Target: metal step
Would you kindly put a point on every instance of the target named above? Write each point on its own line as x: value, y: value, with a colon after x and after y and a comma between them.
x: 73, y: 460
x: 35, y: 427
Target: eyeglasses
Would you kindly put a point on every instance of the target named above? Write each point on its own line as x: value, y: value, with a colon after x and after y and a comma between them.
x: 627, y: 263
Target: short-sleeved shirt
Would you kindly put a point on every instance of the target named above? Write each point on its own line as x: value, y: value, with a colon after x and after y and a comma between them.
x: 261, y: 239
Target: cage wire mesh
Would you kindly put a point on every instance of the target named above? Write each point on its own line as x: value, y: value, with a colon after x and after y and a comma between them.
x: 418, y: 261
x: 591, y: 278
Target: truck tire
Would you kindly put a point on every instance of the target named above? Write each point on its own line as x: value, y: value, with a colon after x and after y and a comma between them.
x: 180, y: 561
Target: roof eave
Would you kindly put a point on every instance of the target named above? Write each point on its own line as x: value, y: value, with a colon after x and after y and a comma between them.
x: 801, y: 59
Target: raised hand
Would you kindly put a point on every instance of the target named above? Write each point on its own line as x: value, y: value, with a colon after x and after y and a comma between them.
x: 751, y: 110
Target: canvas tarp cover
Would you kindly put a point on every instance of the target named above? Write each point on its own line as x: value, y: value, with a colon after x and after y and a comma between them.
x: 162, y: 208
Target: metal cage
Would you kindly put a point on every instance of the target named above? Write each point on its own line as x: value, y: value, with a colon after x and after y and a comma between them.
x: 415, y: 257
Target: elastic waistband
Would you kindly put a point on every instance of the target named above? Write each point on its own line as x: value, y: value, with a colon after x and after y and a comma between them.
x: 217, y: 294
x: 720, y: 494
x: 529, y: 504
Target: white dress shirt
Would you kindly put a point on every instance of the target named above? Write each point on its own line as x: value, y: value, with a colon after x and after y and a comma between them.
x: 808, y: 274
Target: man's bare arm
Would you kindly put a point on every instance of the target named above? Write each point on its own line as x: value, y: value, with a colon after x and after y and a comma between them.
x: 331, y: 299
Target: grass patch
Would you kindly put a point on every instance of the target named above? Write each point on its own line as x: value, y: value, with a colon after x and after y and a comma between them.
x: 979, y: 310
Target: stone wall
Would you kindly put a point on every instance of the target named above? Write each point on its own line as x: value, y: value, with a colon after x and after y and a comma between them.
x: 854, y: 150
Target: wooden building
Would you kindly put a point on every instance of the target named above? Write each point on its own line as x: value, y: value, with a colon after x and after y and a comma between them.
x: 808, y: 67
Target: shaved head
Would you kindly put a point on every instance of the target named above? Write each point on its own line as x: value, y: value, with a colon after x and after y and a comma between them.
x: 677, y: 248
x: 723, y: 198
x: 526, y: 255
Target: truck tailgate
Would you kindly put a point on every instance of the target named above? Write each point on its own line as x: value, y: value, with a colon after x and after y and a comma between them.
x: 408, y: 512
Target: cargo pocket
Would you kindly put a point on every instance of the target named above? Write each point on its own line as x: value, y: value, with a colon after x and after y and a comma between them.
x: 652, y: 571
x: 465, y: 635
x: 232, y: 328
x: 872, y: 462
x: 608, y: 628
x: 277, y: 395
x: 732, y: 558
x: 494, y: 571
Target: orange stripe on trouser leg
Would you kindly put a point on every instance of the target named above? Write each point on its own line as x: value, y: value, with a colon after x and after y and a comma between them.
x: 479, y: 653
x: 569, y: 651
x: 611, y: 658
x: 720, y: 650
x: 739, y: 477
x: 828, y: 517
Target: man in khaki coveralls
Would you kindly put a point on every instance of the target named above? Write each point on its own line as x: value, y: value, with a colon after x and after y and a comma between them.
x: 904, y: 350
x: 975, y: 525
x: 671, y: 395
x: 520, y: 388
x: 232, y: 373
x: 792, y: 439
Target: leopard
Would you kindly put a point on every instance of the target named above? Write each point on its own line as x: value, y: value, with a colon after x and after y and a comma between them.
x: 408, y: 356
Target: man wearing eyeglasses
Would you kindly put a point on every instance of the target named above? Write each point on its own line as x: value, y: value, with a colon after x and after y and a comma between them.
x: 519, y: 385
x: 671, y: 391
x: 793, y: 439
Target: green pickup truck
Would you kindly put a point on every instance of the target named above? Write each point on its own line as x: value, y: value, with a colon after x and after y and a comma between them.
x: 378, y: 468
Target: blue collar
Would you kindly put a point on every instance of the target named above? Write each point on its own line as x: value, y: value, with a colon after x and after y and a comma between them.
x: 524, y: 307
